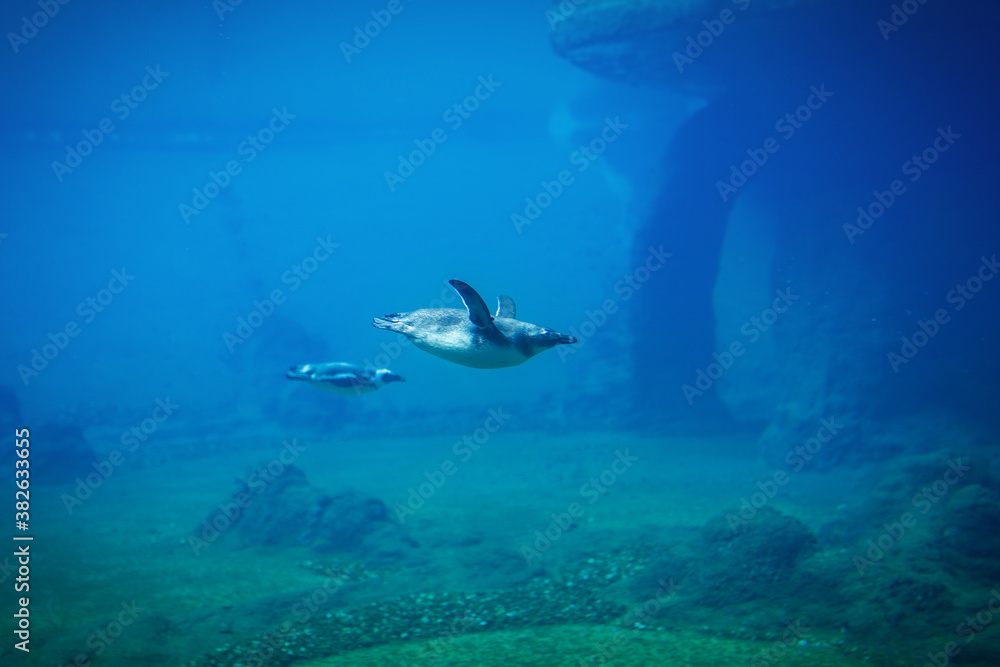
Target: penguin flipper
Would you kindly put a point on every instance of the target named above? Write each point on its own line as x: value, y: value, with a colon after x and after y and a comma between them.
x: 479, y: 314
x: 506, y: 307
x: 348, y: 381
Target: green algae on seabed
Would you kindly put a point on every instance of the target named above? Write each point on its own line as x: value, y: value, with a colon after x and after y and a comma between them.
x: 571, y: 600
x: 545, y: 622
x: 580, y: 645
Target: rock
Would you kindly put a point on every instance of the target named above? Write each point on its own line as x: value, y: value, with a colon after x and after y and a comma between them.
x: 731, y: 562
x: 760, y: 574
x: 290, y: 512
x: 837, y: 352
x: 919, y: 484
x: 741, y: 560
x: 657, y: 40
x: 971, y: 536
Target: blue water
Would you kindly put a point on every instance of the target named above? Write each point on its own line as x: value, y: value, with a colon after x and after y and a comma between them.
x: 790, y: 221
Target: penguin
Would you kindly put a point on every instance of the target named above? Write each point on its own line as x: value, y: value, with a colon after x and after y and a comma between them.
x: 342, y: 378
x: 473, y: 337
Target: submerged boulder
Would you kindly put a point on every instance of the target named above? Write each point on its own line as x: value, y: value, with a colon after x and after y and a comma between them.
x: 285, y: 510
x: 971, y: 536
x: 808, y: 79
x: 743, y: 559
x: 733, y: 561
x: 657, y: 40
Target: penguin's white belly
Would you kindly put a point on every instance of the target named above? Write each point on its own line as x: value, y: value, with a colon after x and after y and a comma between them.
x: 468, y: 349
x: 359, y: 388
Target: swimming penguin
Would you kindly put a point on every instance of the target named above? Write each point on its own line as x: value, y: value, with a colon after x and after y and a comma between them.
x: 341, y: 378
x: 473, y: 337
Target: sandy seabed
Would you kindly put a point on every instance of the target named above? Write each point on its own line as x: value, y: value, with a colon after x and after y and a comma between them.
x: 117, y: 582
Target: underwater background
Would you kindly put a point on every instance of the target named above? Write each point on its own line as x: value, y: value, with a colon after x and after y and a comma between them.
x: 771, y: 228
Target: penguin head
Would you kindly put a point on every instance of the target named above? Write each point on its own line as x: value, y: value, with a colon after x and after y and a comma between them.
x: 301, y: 372
x: 387, y: 376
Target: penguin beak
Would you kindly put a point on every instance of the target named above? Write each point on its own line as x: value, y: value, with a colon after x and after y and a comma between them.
x: 393, y: 377
x: 549, y: 339
x: 294, y: 373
